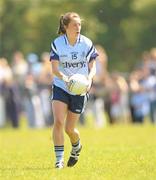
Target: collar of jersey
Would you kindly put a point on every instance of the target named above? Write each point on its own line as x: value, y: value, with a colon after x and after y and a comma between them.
x: 67, y: 42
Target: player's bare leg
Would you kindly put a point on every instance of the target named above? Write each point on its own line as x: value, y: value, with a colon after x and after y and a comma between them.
x: 74, y: 136
x: 58, y: 137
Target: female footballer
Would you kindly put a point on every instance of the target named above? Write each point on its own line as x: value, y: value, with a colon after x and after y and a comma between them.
x: 71, y: 53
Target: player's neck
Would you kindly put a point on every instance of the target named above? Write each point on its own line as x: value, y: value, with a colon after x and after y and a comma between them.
x: 72, y: 39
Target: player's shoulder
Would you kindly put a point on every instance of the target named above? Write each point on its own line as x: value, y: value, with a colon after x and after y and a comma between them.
x: 58, y: 40
x: 86, y: 40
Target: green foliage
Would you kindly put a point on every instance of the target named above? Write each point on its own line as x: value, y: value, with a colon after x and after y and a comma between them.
x: 125, y: 27
x: 12, y: 26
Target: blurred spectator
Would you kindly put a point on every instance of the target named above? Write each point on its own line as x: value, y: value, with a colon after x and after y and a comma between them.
x: 2, y: 100
x: 119, y: 99
x: 152, y: 64
x: 32, y: 100
x: 44, y: 84
x: 20, y: 69
x: 97, y: 91
x: 34, y: 64
x: 109, y: 87
x: 11, y: 95
x: 150, y: 87
x: 139, y: 101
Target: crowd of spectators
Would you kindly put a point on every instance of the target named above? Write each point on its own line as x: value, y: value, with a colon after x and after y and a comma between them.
x: 124, y: 97
x: 25, y: 91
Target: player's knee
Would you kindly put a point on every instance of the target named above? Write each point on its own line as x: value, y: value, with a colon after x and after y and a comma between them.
x: 69, y: 130
x: 58, y: 123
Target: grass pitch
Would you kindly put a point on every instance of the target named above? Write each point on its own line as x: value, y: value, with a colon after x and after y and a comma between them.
x: 125, y: 152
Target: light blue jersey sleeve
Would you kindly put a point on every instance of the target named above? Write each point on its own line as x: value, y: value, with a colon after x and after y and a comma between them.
x: 91, y: 52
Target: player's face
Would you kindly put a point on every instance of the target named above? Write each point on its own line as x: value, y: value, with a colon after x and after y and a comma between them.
x: 74, y: 27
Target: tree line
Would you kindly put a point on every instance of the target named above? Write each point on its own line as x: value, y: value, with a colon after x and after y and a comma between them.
x: 125, y: 28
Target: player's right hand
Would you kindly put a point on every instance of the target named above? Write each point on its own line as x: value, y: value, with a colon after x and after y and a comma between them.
x: 65, y: 78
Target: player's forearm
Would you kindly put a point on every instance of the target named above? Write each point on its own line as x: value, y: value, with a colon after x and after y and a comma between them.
x: 61, y: 75
x: 92, y: 69
x: 56, y: 72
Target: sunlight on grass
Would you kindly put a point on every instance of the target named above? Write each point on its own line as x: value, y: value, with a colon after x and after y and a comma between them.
x: 114, y: 152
